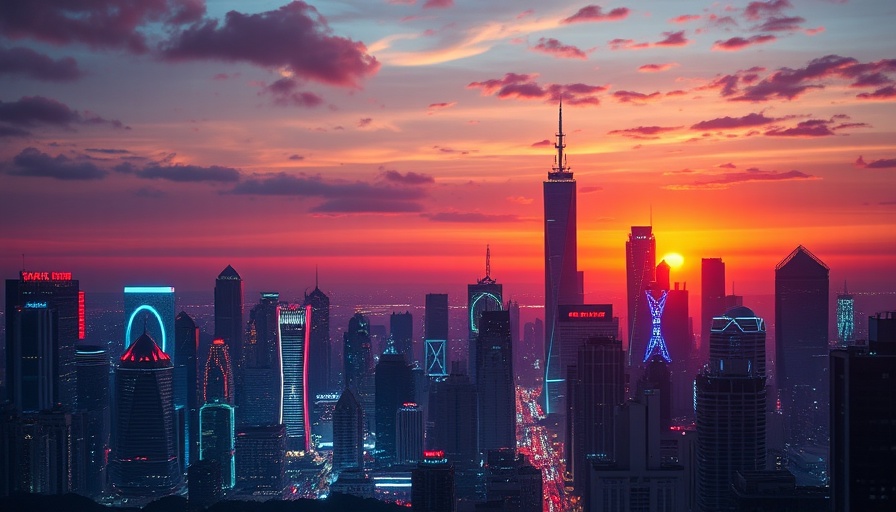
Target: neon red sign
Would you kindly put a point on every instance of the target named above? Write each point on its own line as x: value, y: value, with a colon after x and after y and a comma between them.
x: 433, y: 454
x: 46, y: 276
x: 81, y: 327
x: 587, y: 314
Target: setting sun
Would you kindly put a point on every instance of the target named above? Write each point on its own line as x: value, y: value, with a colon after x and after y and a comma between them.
x: 674, y: 259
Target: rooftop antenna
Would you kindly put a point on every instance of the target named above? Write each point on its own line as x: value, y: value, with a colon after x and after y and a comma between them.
x: 488, y: 261
x: 560, y: 159
x: 315, y: 276
x: 651, y: 214
x: 845, y: 289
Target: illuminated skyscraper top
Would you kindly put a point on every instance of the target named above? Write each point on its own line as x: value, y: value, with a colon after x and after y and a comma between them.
x: 562, y: 279
x: 845, y: 317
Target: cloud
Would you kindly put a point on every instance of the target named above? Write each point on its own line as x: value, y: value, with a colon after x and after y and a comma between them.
x: 884, y: 93
x: 438, y: 4
x: 758, y: 10
x: 364, y: 122
x: 670, y: 39
x: 644, y: 132
x: 452, y: 151
x: 366, y: 205
x: 441, y: 105
x: 29, y: 63
x: 521, y: 199
x: 38, y: 110
x: 34, y: 163
x: 595, y: 13
x: 635, y: 97
x: 554, y: 47
x: 751, y: 175
x: 813, y: 128
x: 108, y: 151
x: 884, y: 163
x: 9, y: 131
x: 285, y: 92
x: 296, y: 157
x: 684, y: 18
x: 541, y: 143
x: 295, y: 37
x: 149, y: 192
x: 739, y: 43
x: 656, y: 68
x: 408, y: 178
x: 189, y: 173
x: 107, y: 24
x: 471, y: 217
x: 588, y: 190
x: 788, y: 24
x: 521, y: 86
x: 728, y: 123
x: 729, y: 165
x: 673, y: 39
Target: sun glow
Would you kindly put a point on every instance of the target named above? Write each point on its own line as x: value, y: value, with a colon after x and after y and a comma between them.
x: 674, y: 259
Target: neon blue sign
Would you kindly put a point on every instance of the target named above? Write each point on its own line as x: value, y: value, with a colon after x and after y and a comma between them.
x: 146, y: 307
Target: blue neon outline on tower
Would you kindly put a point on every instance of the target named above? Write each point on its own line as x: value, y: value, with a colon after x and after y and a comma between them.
x: 657, y: 344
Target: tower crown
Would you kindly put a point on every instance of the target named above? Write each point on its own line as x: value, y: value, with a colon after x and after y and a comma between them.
x: 560, y: 170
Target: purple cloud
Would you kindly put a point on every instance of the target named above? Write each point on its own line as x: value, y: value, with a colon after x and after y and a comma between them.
x: 36, y: 164
x: 554, y: 47
x: 673, y: 39
x: 189, y: 173
x: 471, y: 217
x: 438, y: 4
x: 644, y: 132
x: 783, y: 24
x: 635, y: 97
x: 750, y: 175
x: 36, y: 110
x: 728, y: 123
x: 517, y: 86
x: 739, y: 43
x: 758, y: 10
x: 408, y: 178
x: 884, y: 163
x: 285, y: 92
x: 27, y: 62
x: 884, y: 93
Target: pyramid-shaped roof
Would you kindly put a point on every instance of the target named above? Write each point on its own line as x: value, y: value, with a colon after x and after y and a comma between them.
x: 145, y: 353
x: 801, y: 262
x: 229, y: 273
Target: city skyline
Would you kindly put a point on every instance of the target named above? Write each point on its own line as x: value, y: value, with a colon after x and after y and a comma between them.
x: 430, y: 136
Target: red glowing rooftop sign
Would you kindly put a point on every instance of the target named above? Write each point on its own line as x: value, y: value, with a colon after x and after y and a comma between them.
x: 433, y: 454
x: 587, y: 314
x: 218, y: 341
x: 46, y: 276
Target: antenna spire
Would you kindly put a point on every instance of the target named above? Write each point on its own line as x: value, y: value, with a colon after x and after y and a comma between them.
x: 315, y: 277
x: 560, y: 145
x: 488, y: 261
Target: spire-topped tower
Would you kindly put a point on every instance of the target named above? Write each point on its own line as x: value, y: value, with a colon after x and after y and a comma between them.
x: 560, y: 170
x: 488, y: 267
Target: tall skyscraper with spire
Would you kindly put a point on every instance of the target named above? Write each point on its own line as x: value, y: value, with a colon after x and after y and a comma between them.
x: 640, y: 267
x: 484, y: 295
x: 562, y: 279
x: 319, y: 353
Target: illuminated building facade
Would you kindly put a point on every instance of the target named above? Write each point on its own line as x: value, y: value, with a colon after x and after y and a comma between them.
x: 435, y: 327
x: 218, y: 376
x: 320, y: 380
x: 229, y: 313
x: 432, y: 484
x: 712, y: 298
x: 394, y: 387
x: 348, y: 432
x: 261, y: 399
x: 512, y: 481
x: 204, y: 484
x: 495, y: 384
x: 144, y: 454
x: 92, y: 363
x: 401, y: 332
x: 563, y: 283
x: 261, y: 460
x: 187, y: 383
x: 408, y: 434
x: 846, y: 314
x: 640, y: 266
x: 294, y: 347
x: 453, y: 418
x: 356, y: 352
x: 656, y: 346
x: 730, y: 406
x: 217, y: 440
x: 32, y: 354
x: 59, y: 294
x: 149, y: 308
x: 484, y: 295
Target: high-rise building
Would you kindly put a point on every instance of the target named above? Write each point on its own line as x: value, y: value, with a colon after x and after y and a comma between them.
x: 432, y: 484
x: 356, y: 352
x: 575, y: 324
x: 409, y: 434
x: 187, y: 384
x: 596, y: 387
x: 656, y: 347
x: 640, y: 266
x: 495, y: 384
x: 261, y: 460
x: 348, y: 432
x: 846, y: 307
x: 730, y: 405
x: 401, y: 332
x: 144, y: 452
x: 204, y: 484
x: 261, y: 399
x: 38, y: 451
x: 801, y: 344
x: 484, y: 295
x: 712, y: 298
x: 149, y: 309
x: 676, y: 325
x: 394, y: 384
x: 563, y: 283
x: 217, y: 381
x: 53, y: 291
x: 320, y: 380
x: 294, y: 344
x: 512, y: 481
x: 217, y: 439
x: 92, y: 363
x: 229, y: 313
x: 435, y: 337
x: 32, y: 353
x: 453, y: 419
x: 863, y: 412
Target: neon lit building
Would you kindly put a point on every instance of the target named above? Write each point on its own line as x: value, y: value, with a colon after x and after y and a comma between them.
x: 216, y: 439
x: 218, y: 375
x: 151, y: 307
x: 496, y: 386
x: 261, y: 399
x: 484, y: 295
x: 229, y: 315
x: 32, y: 353
x: 846, y: 327
x: 348, y: 432
x: 712, y: 298
x: 435, y: 327
x: 409, y: 433
x: 320, y: 380
x: 144, y: 460
x: 59, y: 294
x: 656, y: 345
x: 294, y: 346
x: 563, y: 283
x: 187, y: 383
x: 640, y: 266
x: 92, y: 363
x: 394, y: 386
x: 261, y: 460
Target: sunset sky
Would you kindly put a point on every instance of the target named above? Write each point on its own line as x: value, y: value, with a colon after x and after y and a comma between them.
x: 390, y: 141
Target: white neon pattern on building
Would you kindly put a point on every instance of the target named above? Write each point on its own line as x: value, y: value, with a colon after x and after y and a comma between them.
x: 846, y: 318
x: 435, y: 358
x: 656, y: 345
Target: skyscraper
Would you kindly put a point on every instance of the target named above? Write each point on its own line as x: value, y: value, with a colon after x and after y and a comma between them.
x: 401, y: 331
x: 319, y: 379
x: 484, y: 295
x: 495, y: 384
x: 801, y: 343
x: 53, y: 291
x: 92, y: 363
x: 149, y: 308
x: 453, y: 417
x: 217, y: 439
x: 229, y: 313
x: 432, y: 484
x: 730, y: 406
x: 261, y: 460
x: 640, y: 266
x: 32, y: 357
x: 435, y: 328
x: 846, y: 328
x: 863, y: 412
x: 144, y: 455
x: 408, y: 434
x: 563, y: 283
x: 348, y: 432
x: 261, y: 399
x: 218, y: 375
x: 712, y: 298
x: 294, y: 343
x: 394, y: 386
x: 357, y: 353
x: 187, y: 384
